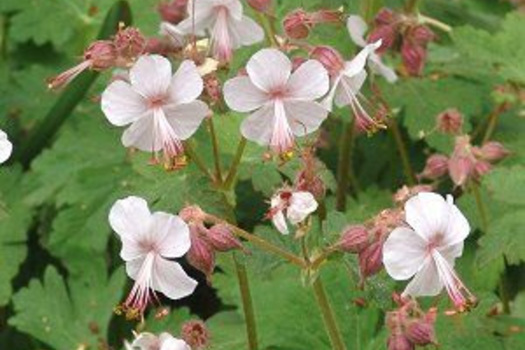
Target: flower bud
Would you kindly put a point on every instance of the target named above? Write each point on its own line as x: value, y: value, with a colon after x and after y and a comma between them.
x: 421, y: 34
x: 481, y: 168
x: 387, y: 34
x: 195, y: 334
x: 260, y: 5
x: 308, y: 183
x: 354, y: 239
x: 450, y: 121
x: 130, y: 43
x: 297, y: 24
x: 102, y: 54
x: 222, y: 239
x: 297, y: 62
x: 192, y: 213
x: 173, y: 11
x: 414, y: 57
x: 493, y: 151
x: 460, y: 168
x: 420, y: 332
x: 371, y: 259
x: 399, y: 342
x: 201, y: 255
x: 385, y: 16
x: 436, y: 167
x: 330, y: 58
x: 326, y: 16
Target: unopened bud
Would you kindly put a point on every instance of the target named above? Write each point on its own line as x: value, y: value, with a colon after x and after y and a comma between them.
x: 327, y: 16
x: 297, y: 24
x: 222, y: 239
x: 330, y: 58
x: 130, y: 43
x: 450, y: 121
x: 201, y: 255
x: 481, y: 168
x: 414, y: 57
x: 192, y: 213
x: 436, y: 167
x: 308, y: 183
x: 493, y: 151
x: 421, y: 34
x: 385, y: 16
x: 102, y: 54
x: 195, y: 334
x: 173, y: 11
x: 354, y: 239
x: 260, y: 5
x: 399, y: 342
x: 386, y: 33
x: 460, y: 168
x: 371, y: 259
x: 297, y: 62
x: 420, y: 332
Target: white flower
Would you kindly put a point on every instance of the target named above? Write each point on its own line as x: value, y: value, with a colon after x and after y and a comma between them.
x: 165, y: 341
x: 294, y: 206
x: 162, y: 109
x: 148, y: 241
x: 357, y: 28
x: 228, y: 28
x: 283, y: 103
x: 427, y: 250
x: 6, y: 147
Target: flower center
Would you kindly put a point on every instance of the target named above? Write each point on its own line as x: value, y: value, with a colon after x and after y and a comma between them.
x: 277, y: 93
x: 156, y: 102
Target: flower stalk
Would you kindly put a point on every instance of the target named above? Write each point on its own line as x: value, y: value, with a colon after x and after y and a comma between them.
x: 228, y: 182
x: 344, y: 165
x: 216, y: 151
x: 336, y: 339
x: 405, y: 160
x: 247, y: 303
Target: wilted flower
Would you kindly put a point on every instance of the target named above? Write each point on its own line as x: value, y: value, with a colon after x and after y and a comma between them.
x: 284, y: 102
x: 449, y: 121
x: 428, y: 248
x: 162, y: 109
x: 292, y: 206
x: 148, y: 241
x: 165, y: 341
x: 196, y: 334
x: 6, y: 147
x: 129, y: 43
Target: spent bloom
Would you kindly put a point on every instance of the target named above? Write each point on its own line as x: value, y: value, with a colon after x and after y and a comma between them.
x: 6, y: 147
x: 283, y: 103
x: 428, y: 249
x: 148, y: 241
x: 164, y: 341
x: 162, y: 108
x: 294, y: 206
x: 357, y: 28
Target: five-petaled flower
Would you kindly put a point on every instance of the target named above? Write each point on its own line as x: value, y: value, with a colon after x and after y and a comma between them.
x: 148, y: 241
x: 292, y: 205
x: 283, y: 103
x: 6, y: 147
x: 428, y: 248
x: 162, y: 108
x: 164, y: 341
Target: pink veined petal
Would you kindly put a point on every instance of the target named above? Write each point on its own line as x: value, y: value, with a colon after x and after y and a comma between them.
x: 357, y: 28
x: 328, y: 102
x: 426, y: 282
x: 357, y: 64
x: 141, y: 135
x: 301, y: 205
x: 121, y: 104
x: 170, y: 279
x: 279, y: 222
x: 221, y: 36
x: 186, y: 84
x: 172, y: 343
x: 203, y: 19
x: 150, y: 76
x: 304, y: 117
x: 6, y: 147
x: 309, y: 82
x: 451, y: 252
x: 242, y: 96
x: 348, y: 89
x: 458, y: 227
x: 186, y: 118
x: 245, y: 32
x: 175, y: 35
x: 234, y: 8
x: 428, y: 214
x: 378, y: 67
x: 404, y: 252
x: 282, y: 139
x: 169, y: 235
x: 269, y: 69
x: 258, y: 126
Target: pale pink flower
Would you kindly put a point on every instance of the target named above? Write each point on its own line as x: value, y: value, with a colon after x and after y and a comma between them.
x: 228, y: 28
x: 6, y: 147
x: 357, y: 28
x: 292, y: 206
x: 148, y: 241
x: 165, y: 341
x: 162, y: 109
x: 283, y: 103
x: 428, y: 248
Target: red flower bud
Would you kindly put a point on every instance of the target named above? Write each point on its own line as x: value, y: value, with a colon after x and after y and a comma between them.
x: 313, y: 184
x: 173, y: 11
x: 386, y: 33
x: 260, y: 5
x: 330, y: 58
x: 420, y: 332
x: 195, y: 334
x: 297, y: 24
x: 450, y: 121
x: 102, y: 54
x: 354, y: 239
x: 436, y: 167
x: 481, y: 168
x: 460, y: 168
x: 222, y: 239
x: 414, y: 57
x: 385, y: 16
x: 399, y: 342
x: 493, y: 151
x: 296, y: 62
x: 421, y: 34
x: 326, y: 16
x: 201, y: 255
x: 371, y: 259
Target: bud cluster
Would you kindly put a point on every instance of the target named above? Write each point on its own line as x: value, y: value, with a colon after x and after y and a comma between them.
x: 298, y: 24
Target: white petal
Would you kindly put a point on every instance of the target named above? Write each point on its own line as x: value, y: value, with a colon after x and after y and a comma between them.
x: 175, y: 35
x: 309, y: 82
x: 245, y: 32
x: 171, y: 343
x: 451, y: 252
x: 186, y: 84
x: 150, y: 76
x: 457, y: 228
x: 302, y: 204
x: 348, y: 88
x: 145, y: 341
x: 242, y: 96
x: 269, y: 69
x: 428, y: 214
x: 186, y: 118
x: 357, y: 64
x: 121, y: 104
x: 357, y: 28
x: 170, y: 235
x: 304, y: 117
x: 202, y: 20
x: 6, y: 147
x: 234, y: 7
x: 279, y: 222
x: 328, y: 101
x: 403, y: 253
x: 378, y: 67
x: 140, y: 135
x: 170, y: 279
x: 426, y: 282
x: 258, y: 126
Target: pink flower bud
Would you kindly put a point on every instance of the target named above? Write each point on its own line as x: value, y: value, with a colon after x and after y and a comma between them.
x: 326, y: 16
x: 173, y: 11
x: 399, y: 342
x: 371, y: 259
x: 130, y: 43
x: 493, y: 151
x: 195, y: 334
x: 385, y: 16
x: 102, y: 54
x: 222, y: 239
x: 420, y: 332
x: 297, y: 24
x: 201, y: 255
x: 414, y: 57
x: 192, y: 213
x: 460, y: 168
x: 387, y: 34
x: 421, y: 34
x: 297, y: 62
x: 260, y: 5
x: 481, y: 168
x: 436, y: 167
x: 450, y: 121
x: 330, y: 58
x: 354, y: 239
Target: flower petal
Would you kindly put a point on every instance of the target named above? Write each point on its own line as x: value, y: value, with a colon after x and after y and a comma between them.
x: 150, y: 76
x: 357, y: 28
x: 242, y: 96
x: 170, y: 279
x: 378, y: 67
x: 428, y: 214
x: 458, y: 227
x: 6, y: 147
x: 245, y: 32
x: 203, y: 19
x: 304, y: 117
x: 171, y: 343
x: 269, y: 69
x: 403, y: 253
x: 348, y: 88
x: 186, y: 84
x: 259, y: 125
x: 302, y: 204
x: 357, y: 64
x: 170, y: 235
x: 426, y: 282
x: 279, y: 222
x: 140, y: 135
x: 175, y: 35
x: 234, y: 7
x: 309, y: 82
x: 186, y: 118
x: 121, y: 104
x: 145, y: 340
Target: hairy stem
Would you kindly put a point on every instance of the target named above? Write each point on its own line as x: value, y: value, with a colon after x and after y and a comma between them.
x: 228, y: 182
x: 247, y: 303
x: 344, y: 165
x: 493, y: 122
x: 481, y: 208
x: 328, y: 315
x: 405, y: 159
x: 216, y: 151
x: 188, y: 147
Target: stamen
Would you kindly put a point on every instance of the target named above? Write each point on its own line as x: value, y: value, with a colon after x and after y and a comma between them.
x: 282, y: 139
x: 171, y: 145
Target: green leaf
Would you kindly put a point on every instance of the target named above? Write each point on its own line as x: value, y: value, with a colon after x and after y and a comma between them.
x: 506, y: 184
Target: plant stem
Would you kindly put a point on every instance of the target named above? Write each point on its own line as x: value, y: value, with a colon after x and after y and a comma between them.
x: 268, y: 30
x: 328, y: 315
x: 344, y: 165
x: 258, y: 241
x: 503, y: 292
x: 434, y: 23
x: 492, y: 122
x: 235, y: 164
x: 188, y: 146
x: 247, y: 303
x: 216, y: 151
x: 411, y: 6
x: 407, y: 168
x: 481, y: 208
